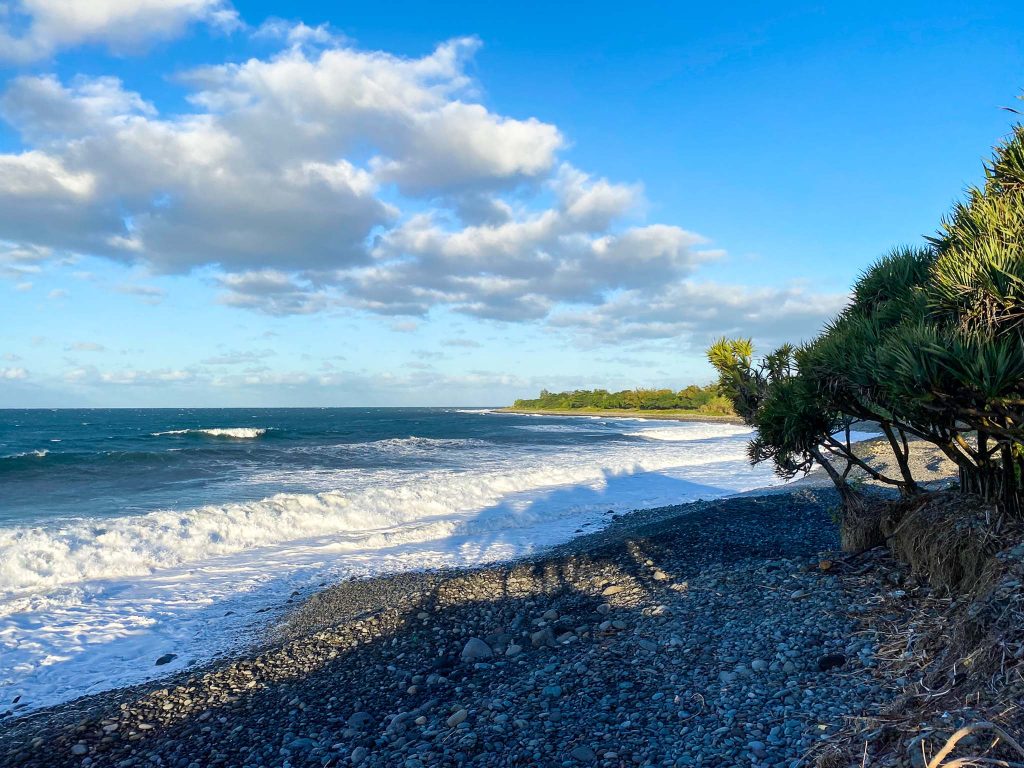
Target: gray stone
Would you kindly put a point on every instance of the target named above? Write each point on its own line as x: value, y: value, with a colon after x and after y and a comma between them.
x: 476, y: 649
x: 583, y: 754
x: 360, y: 721
x: 456, y: 718
x: 543, y: 637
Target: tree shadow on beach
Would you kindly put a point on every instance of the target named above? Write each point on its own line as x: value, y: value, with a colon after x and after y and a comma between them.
x: 357, y: 665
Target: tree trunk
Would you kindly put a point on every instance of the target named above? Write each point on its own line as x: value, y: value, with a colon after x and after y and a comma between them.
x: 1010, y: 494
x: 901, y: 452
x: 859, y: 522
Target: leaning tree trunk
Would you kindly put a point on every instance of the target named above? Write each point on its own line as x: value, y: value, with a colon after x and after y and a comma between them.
x: 859, y: 520
x: 901, y: 451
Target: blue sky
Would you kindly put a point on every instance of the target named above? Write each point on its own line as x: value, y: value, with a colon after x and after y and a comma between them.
x: 259, y: 203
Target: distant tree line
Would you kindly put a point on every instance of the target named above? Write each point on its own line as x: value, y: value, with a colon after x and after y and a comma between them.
x: 931, y: 346
x: 707, y: 399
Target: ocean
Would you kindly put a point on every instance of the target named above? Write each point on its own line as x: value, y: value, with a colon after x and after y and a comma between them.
x: 126, y: 534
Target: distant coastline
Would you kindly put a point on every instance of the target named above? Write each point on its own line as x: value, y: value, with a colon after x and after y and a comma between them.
x: 665, y: 415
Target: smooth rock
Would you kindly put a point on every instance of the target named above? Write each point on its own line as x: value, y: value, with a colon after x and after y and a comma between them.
x: 476, y: 649
x: 583, y: 754
x: 456, y: 718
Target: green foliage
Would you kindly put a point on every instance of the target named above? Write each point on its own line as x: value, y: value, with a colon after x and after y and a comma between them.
x: 706, y: 400
x: 978, y: 279
x: 931, y: 345
x: 793, y: 420
x: 791, y: 424
x: 737, y: 378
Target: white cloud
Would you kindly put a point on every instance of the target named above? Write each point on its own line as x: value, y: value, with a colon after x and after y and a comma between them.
x: 123, y: 26
x: 13, y: 374
x: 327, y: 178
x: 92, y: 376
x: 520, y: 268
x: 699, y: 312
x: 298, y: 34
x: 461, y: 342
x: 239, y: 357
x: 85, y: 346
x: 20, y: 262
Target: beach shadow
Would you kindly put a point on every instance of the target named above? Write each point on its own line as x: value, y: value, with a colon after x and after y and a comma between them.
x: 306, y: 688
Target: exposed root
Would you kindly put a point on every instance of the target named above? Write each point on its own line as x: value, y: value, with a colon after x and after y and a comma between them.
x: 949, y: 632
x: 950, y: 745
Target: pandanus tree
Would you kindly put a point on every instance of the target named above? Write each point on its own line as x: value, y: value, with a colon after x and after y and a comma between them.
x: 965, y: 362
x: 798, y: 425
x: 931, y: 346
x: 843, y: 363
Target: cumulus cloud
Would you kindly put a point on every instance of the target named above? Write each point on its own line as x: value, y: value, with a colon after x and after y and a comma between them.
x: 35, y: 29
x: 13, y: 374
x: 90, y: 375
x: 328, y: 178
x: 702, y: 311
x: 519, y: 268
x: 298, y: 34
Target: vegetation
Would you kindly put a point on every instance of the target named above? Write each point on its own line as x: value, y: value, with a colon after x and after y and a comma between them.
x: 703, y: 400
x: 931, y: 346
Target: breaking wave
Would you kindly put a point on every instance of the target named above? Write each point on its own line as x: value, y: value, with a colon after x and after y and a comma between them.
x: 238, y: 433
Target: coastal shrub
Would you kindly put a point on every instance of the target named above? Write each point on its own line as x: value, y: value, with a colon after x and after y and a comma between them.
x: 797, y: 424
x: 705, y: 399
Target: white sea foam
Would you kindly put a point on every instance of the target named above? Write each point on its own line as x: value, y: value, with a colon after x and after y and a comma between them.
x: 89, y: 604
x: 238, y: 433
x: 691, y: 431
x: 40, y: 453
x: 589, y: 428
x: 413, y: 443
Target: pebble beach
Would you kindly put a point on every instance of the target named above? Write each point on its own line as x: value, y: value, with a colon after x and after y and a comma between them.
x: 709, y: 634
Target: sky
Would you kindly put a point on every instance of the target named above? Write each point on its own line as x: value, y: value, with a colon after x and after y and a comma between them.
x: 214, y: 203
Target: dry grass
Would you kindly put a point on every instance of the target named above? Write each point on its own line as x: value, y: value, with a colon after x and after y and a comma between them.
x: 950, y: 638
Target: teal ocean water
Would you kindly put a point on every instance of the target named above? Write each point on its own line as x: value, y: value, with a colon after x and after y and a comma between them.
x: 127, y: 534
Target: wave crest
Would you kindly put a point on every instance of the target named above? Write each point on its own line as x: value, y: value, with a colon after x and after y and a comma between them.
x: 238, y: 433
x: 37, y: 454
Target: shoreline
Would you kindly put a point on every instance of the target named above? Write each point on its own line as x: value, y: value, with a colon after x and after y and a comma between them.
x: 721, y: 601
x: 326, y: 669
x: 628, y: 414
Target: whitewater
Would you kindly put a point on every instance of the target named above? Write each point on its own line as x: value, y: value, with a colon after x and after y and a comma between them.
x: 143, y: 534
